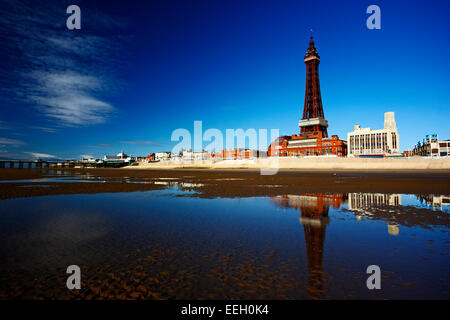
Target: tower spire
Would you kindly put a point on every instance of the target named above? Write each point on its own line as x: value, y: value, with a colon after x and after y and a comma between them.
x: 311, y: 51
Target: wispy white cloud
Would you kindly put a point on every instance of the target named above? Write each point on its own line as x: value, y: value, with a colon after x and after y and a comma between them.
x: 45, y: 129
x: 18, y: 129
x: 139, y: 142
x: 4, y: 125
x: 67, y: 76
x: 67, y: 98
x: 38, y: 155
x: 11, y: 142
x: 9, y: 155
x: 101, y: 145
x: 24, y: 155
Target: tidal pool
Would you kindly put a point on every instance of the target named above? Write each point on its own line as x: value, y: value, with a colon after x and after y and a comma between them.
x: 173, y: 244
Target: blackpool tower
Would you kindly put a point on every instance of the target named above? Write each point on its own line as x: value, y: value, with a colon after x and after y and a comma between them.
x: 313, y: 120
x: 313, y: 138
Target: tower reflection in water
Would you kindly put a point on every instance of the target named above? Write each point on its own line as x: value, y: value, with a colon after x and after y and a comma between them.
x: 314, y: 218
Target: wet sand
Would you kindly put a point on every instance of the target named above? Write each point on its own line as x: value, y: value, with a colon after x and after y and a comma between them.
x: 223, y: 183
x: 158, y: 272
x: 162, y: 266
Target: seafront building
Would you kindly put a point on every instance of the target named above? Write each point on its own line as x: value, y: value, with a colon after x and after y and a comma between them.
x: 313, y: 139
x: 407, y: 153
x: 432, y: 147
x: 161, y: 156
x: 119, y: 158
x: 288, y: 146
x: 186, y: 155
x: 363, y: 142
x: 189, y: 155
x: 237, y: 154
x: 200, y: 155
x: 90, y: 160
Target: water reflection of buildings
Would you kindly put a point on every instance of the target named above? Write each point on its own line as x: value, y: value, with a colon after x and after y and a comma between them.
x: 393, y: 229
x: 316, y: 204
x: 314, y: 218
x: 360, y: 202
x: 435, y: 201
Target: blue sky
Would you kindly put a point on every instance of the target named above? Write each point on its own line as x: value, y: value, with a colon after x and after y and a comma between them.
x: 138, y: 70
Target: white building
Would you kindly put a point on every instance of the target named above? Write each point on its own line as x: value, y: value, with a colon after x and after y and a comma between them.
x: 176, y: 156
x: 201, y: 155
x: 91, y: 160
x: 162, y: 156
x: 368, y: 142
x: 432, y: 147
x: 186, y: 155
x: 120, y: 157
x: 189, y: 155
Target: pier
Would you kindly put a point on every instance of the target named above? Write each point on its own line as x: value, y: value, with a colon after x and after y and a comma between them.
x: 58, y: 164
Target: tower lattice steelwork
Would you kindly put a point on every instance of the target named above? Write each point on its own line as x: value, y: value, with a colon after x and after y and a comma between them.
x: 313, y: 120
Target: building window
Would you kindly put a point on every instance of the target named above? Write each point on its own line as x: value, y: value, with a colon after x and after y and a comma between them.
x: 394, y: 140
x: 384, y: 140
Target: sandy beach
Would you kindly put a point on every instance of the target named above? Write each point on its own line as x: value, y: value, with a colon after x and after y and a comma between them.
x: 222, y: 182
x: 218, y: 233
